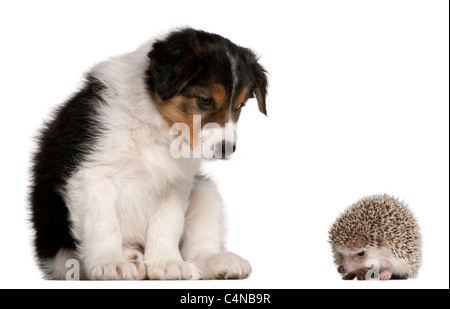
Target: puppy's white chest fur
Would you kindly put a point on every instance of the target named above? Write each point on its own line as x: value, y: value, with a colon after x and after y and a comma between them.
x: 136, y: 180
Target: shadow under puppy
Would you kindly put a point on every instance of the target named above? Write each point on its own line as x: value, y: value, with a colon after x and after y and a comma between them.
x: 107, y: 189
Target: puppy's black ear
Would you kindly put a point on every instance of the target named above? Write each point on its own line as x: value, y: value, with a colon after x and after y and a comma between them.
x: 260, y: 87
x: 172, y: 65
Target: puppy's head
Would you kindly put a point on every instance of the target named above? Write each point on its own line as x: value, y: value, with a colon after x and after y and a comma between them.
x: 202, y: 80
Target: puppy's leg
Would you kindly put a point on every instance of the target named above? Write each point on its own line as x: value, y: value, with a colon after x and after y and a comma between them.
x: 162, y: 256
x: 91, y: 201
x: 203, y: 238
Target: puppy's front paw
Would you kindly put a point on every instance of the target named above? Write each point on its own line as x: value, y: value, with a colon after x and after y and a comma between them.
x: 115, y: 271
x: 137, y: 258
x: 169, y: 270
x: 224, y: 265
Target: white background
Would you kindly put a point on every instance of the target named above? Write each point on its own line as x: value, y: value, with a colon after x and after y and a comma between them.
x: 358, y: 104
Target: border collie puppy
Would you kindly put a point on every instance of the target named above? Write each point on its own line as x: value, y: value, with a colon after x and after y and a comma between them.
x: 116, y: 189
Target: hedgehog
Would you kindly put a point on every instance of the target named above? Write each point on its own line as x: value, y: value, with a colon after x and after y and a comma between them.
x: 377, y: 237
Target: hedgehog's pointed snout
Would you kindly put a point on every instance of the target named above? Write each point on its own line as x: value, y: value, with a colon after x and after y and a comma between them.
x: 341, y: 270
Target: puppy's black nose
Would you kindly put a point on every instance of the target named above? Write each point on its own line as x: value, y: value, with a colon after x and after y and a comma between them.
x: 225, y: 150
x: 227, y: 146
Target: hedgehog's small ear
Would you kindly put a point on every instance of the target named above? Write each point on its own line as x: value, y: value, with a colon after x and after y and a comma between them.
x: 379, y: 241
x: 260, y: 87
x: 172, y: 65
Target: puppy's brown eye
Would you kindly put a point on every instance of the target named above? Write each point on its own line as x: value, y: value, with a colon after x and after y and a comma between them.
x: 239, y: 106
x: 205, y: 103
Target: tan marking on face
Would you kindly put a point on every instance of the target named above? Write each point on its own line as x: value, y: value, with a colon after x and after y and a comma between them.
x: 241, y: 97
x: 178, y: 109
x: 220, y: 117
x: 219, y: 95
x: 171, y: 110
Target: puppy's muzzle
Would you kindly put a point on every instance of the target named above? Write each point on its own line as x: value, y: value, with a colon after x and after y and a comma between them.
x: 224, y: 150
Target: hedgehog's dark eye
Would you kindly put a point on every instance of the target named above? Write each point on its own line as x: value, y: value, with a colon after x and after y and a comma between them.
x: 361, y: 253
x: 205, y: 103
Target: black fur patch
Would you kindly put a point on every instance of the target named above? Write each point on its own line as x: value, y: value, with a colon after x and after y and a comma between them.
x: 63, y: 144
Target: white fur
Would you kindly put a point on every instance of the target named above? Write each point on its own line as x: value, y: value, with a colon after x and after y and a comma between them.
x: 132, y: 193
x: 234, y: 73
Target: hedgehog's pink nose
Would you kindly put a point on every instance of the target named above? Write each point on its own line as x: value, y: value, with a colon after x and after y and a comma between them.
x: 341, y: 270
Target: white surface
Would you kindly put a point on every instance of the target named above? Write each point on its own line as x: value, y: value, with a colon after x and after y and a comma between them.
x: 358, y: 104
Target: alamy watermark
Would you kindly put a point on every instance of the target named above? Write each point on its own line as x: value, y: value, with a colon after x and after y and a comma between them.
x: 208, y: 142
x: 73, y: 273
x: 374, y: 272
